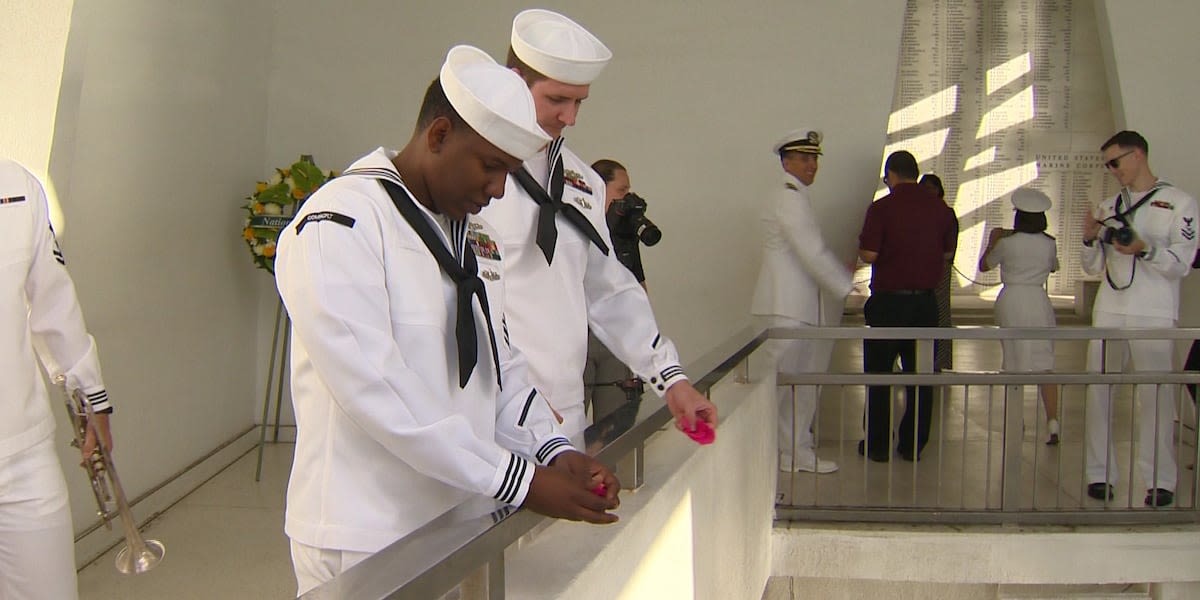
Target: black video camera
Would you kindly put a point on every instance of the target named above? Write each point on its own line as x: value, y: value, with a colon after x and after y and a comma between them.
x: 627, y: 220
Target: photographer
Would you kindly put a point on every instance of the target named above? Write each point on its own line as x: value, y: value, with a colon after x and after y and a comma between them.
x: 626, y: 216
x: 609, y: 383
x: 1143, y: 241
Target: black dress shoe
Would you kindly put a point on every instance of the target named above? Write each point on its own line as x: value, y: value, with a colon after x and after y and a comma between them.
x: 874, y: 455
x: 1096, y: 490
x: 1159, y: 497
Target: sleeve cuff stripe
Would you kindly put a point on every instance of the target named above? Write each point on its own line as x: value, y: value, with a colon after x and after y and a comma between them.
x: 670, y: 372
x: 549, y: 447
x: 512, y: 479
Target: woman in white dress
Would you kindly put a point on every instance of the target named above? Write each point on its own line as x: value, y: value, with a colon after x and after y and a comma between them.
x: 1026, y: 255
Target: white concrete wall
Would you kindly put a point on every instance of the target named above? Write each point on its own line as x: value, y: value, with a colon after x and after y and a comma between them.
x: 1153, y: 56
x: 33, y: 40
x: 699, y: 528
x: 159, y: 137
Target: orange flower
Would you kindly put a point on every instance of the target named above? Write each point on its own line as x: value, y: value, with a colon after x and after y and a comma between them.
x: 297, y: 193
x: 248, y: 233
x: 258, y: 208
x: 261, y: 187
x: 269, y: 250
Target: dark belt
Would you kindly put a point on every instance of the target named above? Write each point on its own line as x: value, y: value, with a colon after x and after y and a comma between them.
x: 903, y: 293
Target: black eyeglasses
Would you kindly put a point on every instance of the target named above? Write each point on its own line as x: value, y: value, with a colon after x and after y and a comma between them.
x: 1116, y: 161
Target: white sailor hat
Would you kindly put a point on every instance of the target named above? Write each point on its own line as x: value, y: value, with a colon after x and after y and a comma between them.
x: 1030, y: 200
x: 493, y: 100
x: 803, y: 139
x: 558, y: 47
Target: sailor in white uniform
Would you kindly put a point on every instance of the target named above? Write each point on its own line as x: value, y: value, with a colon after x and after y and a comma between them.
x: 1142, y: 268
x: 563, y: 274
x: 1026, y: 255
x: 798, y: 270
x: 38, y: 309
x: 409, y: 399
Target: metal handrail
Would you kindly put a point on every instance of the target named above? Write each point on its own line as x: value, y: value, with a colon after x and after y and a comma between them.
x: 983, y: 332
x: 433, y: 559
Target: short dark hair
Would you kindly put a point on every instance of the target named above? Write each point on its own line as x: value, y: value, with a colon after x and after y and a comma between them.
x: 903, y: 164
x: 1127, y: 139
x: 1029, y: 222
x: 935, y: 182
x: 528, y: 73
x: 607, y: 168
x: 436, y: 104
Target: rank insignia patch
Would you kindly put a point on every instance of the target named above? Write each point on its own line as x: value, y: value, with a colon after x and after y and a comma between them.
x: 576, y: 180
x: 1162, y: 204
x: 791, y: 186
x: 581, y: 201
x: 12, y: 199
x: 483, y: 245
x: 490, y: 275
x: 326, y: 215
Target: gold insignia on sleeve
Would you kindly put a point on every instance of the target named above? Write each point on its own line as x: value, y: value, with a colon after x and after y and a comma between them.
x: 490, y: 275
x: 581, y: 201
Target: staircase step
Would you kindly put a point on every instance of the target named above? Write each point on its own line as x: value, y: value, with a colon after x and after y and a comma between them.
x: 1115, y: 591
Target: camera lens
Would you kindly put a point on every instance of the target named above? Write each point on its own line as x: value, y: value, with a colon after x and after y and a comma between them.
x: 649, y: 233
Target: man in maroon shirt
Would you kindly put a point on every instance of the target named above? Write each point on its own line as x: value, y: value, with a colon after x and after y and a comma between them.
x: 907, y: 237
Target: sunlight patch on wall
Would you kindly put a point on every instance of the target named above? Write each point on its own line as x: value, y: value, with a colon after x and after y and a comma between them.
x: 667, y: 569
x: 1014, y: 111
x: 981, y: 159
x: 1004, y: 74
x: 931, y: 108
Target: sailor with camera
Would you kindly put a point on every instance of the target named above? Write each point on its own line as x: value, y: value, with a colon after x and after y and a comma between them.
x: 1142, y: 241
x: 563, y: 274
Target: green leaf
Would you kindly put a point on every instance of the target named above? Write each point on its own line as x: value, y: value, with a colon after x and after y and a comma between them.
x: 276, y: 194
x: 307, y: 176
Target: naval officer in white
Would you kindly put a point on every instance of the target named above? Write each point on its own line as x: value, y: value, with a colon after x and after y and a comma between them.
x: 797, y: 267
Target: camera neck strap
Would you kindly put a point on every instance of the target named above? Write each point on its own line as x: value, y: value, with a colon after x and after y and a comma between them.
x: 548, y: 206
x: 1120, y: 215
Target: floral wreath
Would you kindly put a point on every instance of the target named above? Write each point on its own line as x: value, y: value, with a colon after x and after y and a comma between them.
x: 273, y: 205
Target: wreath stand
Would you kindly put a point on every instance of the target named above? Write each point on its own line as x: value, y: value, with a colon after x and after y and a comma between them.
x: 275, y: 378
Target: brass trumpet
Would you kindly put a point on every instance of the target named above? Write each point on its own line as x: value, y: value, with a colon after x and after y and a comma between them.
x: 138, y: 555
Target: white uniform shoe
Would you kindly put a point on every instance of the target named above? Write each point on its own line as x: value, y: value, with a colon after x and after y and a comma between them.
x: 808, y: 465
x: 1052, y: 426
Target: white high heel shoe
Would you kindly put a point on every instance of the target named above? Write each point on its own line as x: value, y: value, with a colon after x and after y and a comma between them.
x: 1052, y: 426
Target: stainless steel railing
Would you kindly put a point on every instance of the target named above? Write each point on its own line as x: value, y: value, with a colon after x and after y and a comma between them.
x: 986, y: 461
x: 467, y: 544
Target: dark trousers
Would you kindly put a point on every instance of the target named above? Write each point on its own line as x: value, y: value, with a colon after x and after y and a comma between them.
x: 886, y: 309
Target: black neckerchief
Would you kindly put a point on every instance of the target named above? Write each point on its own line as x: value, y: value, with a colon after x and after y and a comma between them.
x: 547, y: 232
x: 466, y: 282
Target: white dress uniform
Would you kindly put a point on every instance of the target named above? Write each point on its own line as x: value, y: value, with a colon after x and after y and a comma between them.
x: 550, y: 306
x: 38, y: 309
x: 408, y: 398
x: 1026, y: 261
x: 798, y: 270
x: 386, y: 438
x: 1148, y: 298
